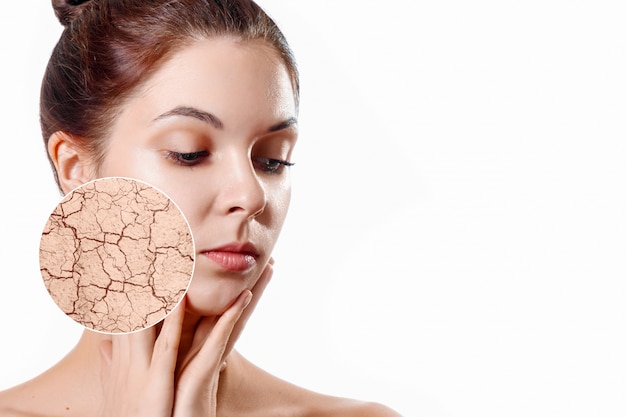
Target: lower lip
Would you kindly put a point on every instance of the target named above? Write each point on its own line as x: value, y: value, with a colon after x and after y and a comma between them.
x: 232, y: 261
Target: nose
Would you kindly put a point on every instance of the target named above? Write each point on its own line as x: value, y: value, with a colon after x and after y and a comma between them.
x: 243, y: 192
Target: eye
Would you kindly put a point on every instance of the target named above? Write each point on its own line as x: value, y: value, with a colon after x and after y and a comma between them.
x: 270, y: 165
x: 187, y: 158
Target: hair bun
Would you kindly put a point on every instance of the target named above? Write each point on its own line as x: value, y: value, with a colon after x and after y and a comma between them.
x: 68, y: 10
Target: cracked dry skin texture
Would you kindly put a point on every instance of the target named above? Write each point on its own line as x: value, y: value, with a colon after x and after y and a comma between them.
x: 116, y: 255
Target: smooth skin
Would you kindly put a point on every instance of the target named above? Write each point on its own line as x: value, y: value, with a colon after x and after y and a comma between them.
x: 213, y: 128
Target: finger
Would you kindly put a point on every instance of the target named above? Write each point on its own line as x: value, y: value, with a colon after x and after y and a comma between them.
x: 168, y: 341
x: 257, y: 292
x: 206, y: 325
x: 210, y: 355
x: 202, y: 332
x: 141, y: 346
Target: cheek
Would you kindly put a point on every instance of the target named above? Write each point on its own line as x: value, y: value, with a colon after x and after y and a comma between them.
x: 125, y: 159
x: 120, y: 160
x: 279, y: 198
x: 188, y: 202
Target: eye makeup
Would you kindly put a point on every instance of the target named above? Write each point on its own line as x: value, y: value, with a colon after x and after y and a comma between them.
x: 187, y: 158
x: 270, y: 165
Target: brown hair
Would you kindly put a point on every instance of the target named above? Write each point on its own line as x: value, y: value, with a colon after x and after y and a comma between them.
x: 109, y: 47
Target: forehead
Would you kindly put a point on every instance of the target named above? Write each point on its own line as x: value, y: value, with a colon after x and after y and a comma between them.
x: 224, y: 63
x: 225, y: 74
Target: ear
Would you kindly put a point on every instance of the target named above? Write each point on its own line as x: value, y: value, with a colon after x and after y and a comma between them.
x: 71, y: 161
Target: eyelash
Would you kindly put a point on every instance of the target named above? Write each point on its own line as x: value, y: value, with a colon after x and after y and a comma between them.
x: 190, y: 159
x: 270, y: 165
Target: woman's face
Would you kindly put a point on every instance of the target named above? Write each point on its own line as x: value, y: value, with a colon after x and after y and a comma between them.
x: 213, y: 128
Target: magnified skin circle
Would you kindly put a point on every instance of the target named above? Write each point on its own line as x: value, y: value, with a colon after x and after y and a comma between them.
x: 116, y: 255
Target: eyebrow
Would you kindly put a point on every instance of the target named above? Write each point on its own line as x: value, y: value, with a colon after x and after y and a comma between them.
x: 285, y: 124
x: 195, y: 113
x: 214, y: 121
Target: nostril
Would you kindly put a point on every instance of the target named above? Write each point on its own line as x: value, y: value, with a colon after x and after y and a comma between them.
x: 245, y: 196
x: 236, y: 209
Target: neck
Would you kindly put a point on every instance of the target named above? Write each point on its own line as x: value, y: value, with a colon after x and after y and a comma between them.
x: 76, y: 381
x: 79, y: 393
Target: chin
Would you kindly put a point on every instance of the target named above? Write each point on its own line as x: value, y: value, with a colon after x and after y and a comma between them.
x: 212, y: 298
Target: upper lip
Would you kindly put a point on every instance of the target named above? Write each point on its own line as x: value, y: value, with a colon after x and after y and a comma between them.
x: 246, y: 248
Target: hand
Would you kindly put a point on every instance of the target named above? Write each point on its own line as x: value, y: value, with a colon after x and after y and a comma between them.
x: 198, y: 374
x: 138, y: 370
x: 257, y: 292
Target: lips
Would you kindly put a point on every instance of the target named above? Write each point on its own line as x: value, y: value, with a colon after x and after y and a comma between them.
x: 236, y: 257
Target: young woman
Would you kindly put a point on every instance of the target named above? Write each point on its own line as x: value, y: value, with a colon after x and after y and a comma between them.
x: 200, y: 99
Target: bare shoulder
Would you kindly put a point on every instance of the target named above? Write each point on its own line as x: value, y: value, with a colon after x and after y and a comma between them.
x: 9, y: 401
x: 9, y: 412
x: 342, y: 407
x: 22, y: 401
x: 278, y: 397
x: 373, y: 410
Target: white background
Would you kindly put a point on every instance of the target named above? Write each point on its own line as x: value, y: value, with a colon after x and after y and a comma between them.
x: 456, y: 245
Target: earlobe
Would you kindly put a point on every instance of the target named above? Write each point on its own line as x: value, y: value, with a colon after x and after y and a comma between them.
x: 70, y: 161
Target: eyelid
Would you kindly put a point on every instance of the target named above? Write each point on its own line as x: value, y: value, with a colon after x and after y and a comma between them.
x: 187, y: 158
x: 275, y: 161
x: 267, y: 164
